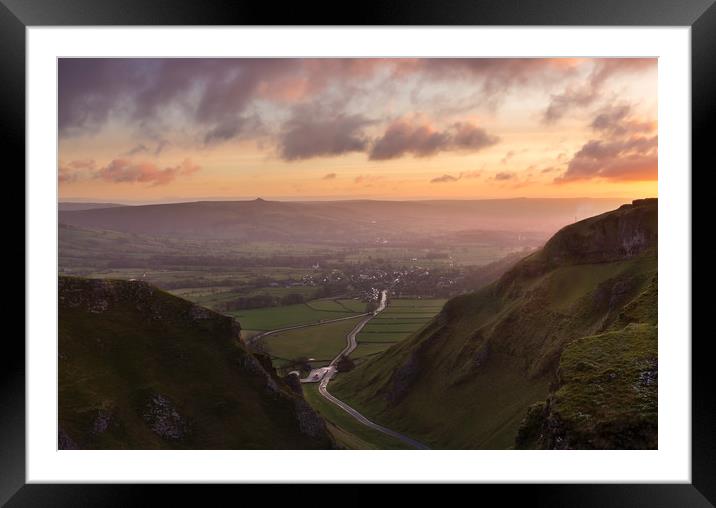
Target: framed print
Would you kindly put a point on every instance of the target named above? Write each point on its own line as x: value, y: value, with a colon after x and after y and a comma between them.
x: 446, y: 245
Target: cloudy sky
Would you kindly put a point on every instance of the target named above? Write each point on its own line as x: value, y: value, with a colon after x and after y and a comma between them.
x: 152, y: 130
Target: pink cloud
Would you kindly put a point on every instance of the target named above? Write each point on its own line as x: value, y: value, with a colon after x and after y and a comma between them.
x: 367, y: 180
x: 75, y: 170
x: 125, y: 171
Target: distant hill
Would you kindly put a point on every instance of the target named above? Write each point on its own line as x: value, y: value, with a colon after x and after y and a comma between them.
x: 69, y: 206
x: 560, y: 352
x: 337, y: 221
x: 142, y: 369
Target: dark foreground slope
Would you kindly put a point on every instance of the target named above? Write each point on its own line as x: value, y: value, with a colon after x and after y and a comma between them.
x: 142, y: 369
x: 572, y: 326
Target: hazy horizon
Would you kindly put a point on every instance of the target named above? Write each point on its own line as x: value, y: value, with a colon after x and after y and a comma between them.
x: 307, y: 199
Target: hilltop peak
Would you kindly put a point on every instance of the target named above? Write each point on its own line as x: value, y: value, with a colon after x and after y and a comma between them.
x: 641, y: 203
x: 612, y: 236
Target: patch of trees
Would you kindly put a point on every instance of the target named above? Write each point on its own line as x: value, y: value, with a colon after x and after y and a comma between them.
x: 345, y: 364
x: 333, y: 288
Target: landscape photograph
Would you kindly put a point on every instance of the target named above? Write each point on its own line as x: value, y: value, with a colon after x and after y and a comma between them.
x: 357, y: 253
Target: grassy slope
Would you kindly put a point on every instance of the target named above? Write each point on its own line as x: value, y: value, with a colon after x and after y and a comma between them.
x: 467, y: 379
x: 606, y: 391
x: 123, y: 343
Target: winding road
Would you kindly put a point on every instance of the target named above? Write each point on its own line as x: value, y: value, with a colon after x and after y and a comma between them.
x: 325, y: 374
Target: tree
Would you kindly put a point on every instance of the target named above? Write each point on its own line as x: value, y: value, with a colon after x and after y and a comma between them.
x: 345, y: 364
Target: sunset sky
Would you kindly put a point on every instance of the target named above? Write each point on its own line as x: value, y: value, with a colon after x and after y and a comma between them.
x: 155, y: 130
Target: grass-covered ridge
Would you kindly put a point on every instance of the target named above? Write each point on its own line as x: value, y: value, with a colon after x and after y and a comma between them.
x: 606, y: 396
x: 466, y: 379
x: 142, y: 369
x: 606, y: 389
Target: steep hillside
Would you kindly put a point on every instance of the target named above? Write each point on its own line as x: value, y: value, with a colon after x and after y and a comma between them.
x: 142, y: 369
x: 605, y: 390
x: 467, y: 379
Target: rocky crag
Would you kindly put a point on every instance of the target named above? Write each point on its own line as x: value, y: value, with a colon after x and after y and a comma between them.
x: 139, y: 368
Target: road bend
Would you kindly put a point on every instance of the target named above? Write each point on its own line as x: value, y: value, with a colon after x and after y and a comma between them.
x: 324, y: 375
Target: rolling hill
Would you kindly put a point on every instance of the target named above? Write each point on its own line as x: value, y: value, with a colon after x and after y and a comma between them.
x: 342, y: 221
x: 73, y: 206
x: 142, y: 369
x: 560, y: 352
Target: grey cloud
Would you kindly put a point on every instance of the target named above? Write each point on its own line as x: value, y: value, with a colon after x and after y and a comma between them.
x: 310, y: 133
x: 140, y: 148
x: 444, y: 179
x: 571, y: 98
x: 632, y: 158
x: 422, y: 140
x: 574, y: 97
x: 450, y: 178
x: 626, y: 149
x: 226, y: 130
x: 616, y: 120
x: 161, y: 145
x: 211, y: 91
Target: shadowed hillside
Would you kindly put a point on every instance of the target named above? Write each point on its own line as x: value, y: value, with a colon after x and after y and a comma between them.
x: 142, y: 369
x: 571, y: 328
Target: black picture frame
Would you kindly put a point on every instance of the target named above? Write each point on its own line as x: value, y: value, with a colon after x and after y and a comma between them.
x: 17, y: 15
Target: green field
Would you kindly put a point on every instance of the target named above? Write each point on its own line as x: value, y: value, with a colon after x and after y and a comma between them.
x: 329, y: 305
x: 386, y: 337
x: 272, y: 318
x: 402, y: 318
x: 319, y: 344
x: 323, y: 342
x: 354, y: 305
